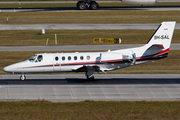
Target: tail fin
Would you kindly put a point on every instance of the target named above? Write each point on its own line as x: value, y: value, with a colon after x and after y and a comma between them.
x: 163, y: 35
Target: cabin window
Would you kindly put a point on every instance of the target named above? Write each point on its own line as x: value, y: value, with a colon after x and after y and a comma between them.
x: 39, y: 58
x: 81, y: 57
x: 32, y: 58
x: 69, y: 57
x: 88, y: 57
x: 63, y: 58
x: 56, y: 58
x: 75, y: 57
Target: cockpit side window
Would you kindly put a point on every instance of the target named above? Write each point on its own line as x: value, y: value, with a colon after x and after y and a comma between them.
x: 40, y: 58
x: 32, y: 58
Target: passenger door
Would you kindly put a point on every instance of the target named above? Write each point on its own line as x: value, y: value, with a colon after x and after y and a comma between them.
x: 56, y: 63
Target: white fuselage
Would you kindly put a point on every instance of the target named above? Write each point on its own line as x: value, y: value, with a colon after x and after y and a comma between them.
x: 62, y: 62
x: 69, y: 62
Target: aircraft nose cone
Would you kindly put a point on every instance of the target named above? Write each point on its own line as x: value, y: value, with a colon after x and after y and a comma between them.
x: 6, y: 69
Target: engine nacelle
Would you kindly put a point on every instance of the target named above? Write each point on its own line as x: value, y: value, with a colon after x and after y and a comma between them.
x: 140, y: 2
x: 110, y: 57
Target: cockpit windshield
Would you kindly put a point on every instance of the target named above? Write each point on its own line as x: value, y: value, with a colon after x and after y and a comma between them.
x: 36, y: 58
x: 33, y: 58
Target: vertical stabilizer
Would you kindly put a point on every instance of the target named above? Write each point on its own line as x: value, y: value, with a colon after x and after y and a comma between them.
x: 163, y: 35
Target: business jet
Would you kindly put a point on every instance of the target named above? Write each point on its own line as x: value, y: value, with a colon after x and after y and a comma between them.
x: 89, y: 62
x: 91, y: 4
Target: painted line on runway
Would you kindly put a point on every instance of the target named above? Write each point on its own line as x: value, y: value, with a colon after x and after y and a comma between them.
x: 70, y: 91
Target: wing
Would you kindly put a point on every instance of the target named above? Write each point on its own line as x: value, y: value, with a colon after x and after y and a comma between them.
x: 85, y: 68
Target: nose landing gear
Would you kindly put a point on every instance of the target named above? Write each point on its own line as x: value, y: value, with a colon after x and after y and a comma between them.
x: 22, y: 77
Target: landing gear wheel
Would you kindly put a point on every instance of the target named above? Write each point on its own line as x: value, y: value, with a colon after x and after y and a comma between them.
x: 82, y: 5
x: 23, y: 77
x: 94, y: 5
x: 78, y: 3
x: 90, y: 78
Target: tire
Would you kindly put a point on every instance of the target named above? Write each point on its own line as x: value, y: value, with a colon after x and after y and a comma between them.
x: 82, y: 5
x: 22, y: 77
x: 94, y: 5
x: 90, y: 78
x: 78, y: 3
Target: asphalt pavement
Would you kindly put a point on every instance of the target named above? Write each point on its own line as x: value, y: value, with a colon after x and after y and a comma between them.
x: 24, y: 2
x: 74, y: 87
x: 77, y: 47
x: 82, y: 26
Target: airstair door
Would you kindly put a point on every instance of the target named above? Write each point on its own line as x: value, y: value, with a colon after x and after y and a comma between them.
x: 56, y: 63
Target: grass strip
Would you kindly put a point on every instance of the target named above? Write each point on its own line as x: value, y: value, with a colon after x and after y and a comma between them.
x: 89, y: 17
x: 91, y: 110
x: 75, y: 37
x: 170, y: 64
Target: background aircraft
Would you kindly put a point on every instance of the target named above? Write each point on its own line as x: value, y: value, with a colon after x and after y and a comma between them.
x: 86, y: 4
x: 89, y: 62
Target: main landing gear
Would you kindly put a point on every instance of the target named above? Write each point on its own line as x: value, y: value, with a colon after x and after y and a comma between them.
x: 89, y: 75
x: 87, y: 4
x: 22, y: 77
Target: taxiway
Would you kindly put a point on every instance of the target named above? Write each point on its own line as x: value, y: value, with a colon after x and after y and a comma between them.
x: 74, y: 9
x: 82, y: 27
x: 27, y: 2
x: 74, y: 87
x: 64, y: 9
x: 175, y: 46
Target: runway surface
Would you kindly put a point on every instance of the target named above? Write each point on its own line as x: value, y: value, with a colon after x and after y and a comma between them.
x: 83, y: 27
x: 77, y: 47
x: 64, y: 9
x: 24, y: 2
x: 74, y: 9
x: 74, y: 87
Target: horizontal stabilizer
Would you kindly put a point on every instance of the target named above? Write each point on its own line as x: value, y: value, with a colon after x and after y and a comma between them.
x: 160, y: 46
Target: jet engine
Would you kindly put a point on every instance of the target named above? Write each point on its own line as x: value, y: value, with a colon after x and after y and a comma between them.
x: 140, y: 2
